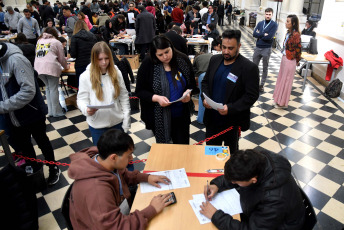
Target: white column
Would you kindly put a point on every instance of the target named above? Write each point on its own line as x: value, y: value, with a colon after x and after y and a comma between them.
x: 296, y: 6
x: 285, y: 6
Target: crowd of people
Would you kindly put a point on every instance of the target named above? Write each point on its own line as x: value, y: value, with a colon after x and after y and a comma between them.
x: 165, y: 75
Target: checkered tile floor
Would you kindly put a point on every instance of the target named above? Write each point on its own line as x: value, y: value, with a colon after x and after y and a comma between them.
x: 309, y: 133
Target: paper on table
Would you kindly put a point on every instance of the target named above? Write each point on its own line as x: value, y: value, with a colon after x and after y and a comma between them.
x: 204, y: 27
x: 212, y: 103
x: 196, y: 19
x: 228, y: 201
x: 101, y: 106
x: 130, y: 17
x: 184, y: 95
x: 177, y: 177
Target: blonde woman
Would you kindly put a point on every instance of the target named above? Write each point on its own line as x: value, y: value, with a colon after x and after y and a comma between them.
x: 81, y: 45
x: 102, y: 84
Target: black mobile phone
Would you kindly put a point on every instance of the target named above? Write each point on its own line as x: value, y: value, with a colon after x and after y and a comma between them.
x: 173, y: 198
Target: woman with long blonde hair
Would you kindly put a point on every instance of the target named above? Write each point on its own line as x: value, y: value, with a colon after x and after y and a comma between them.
x: 81, y: 45
x: 102, y: 84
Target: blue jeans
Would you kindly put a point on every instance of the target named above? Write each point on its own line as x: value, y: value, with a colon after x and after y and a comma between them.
x: 200, y: 102
x: 96, y: 133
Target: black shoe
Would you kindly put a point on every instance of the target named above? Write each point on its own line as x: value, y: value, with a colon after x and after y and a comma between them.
x: 261, y: 88
x: 54, y: 175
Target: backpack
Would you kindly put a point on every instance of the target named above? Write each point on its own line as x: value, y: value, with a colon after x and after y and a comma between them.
x: 334, y: 88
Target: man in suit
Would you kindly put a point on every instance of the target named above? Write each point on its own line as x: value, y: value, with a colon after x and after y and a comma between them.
x: 232, y: 80
x: 145, y: 30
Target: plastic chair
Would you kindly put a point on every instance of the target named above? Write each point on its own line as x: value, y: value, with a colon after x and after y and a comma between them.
x: 65, y: 207
x: 310, y: 216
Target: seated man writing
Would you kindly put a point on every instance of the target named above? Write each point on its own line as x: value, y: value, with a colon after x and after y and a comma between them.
x: 269, y: 195
x: 100, y: 192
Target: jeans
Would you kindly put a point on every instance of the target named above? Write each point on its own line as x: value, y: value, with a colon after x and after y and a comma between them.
x: 96, y: 133
x: 52, y: 94
x: 201, y: 108
x: 258, y: 54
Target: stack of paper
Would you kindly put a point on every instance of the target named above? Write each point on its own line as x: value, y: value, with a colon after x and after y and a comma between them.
x: 228, y: 201
x: 178, y: 179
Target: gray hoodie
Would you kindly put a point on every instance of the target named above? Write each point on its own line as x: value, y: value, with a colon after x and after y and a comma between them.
x: 14, y: 64
x: 70, y: 25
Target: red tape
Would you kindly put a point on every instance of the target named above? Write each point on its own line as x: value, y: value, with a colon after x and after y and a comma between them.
x: 190, y: 174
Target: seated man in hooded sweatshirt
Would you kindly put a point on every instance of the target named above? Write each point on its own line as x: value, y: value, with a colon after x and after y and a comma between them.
x: 269, y: 195
x: 100, y: 193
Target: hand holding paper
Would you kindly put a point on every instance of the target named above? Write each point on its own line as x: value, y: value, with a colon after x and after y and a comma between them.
x: 212, y: 103
x: 185, y: 98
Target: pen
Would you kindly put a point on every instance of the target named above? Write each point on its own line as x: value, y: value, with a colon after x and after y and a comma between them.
x: 207, y: 191
x: 214, y: 171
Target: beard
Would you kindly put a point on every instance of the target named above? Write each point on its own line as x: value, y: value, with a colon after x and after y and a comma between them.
x: 228, y: 57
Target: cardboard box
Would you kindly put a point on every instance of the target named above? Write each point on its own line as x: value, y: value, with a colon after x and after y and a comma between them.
x: 133, y: 60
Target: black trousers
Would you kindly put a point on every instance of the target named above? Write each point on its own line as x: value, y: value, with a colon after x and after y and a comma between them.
x: 143, y: 50
x: 22, y: 136
x: 180, y: 131
x: 231, y: 138
x: 221, y: 20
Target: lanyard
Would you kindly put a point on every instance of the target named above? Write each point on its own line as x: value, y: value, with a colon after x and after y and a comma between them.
x: 119, y: 178
x: 30, y: 23
x: 264, y: 27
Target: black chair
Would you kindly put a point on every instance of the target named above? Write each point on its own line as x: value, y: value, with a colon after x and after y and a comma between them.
x: 310, y: 216
x: 65, y: 207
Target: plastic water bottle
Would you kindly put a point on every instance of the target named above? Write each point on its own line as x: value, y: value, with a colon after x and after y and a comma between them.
x: 28, y: 169
x: 62, y: 99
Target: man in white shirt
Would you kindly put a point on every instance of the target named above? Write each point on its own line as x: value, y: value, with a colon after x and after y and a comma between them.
x: 204, y: 9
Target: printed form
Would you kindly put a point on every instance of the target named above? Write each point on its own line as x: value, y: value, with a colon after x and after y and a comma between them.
x: 178, y: 179
x: 228, y: 201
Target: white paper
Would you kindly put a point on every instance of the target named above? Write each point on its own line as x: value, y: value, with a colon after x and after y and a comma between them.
x: 184, y: 95
x: 177, y: 177
x: 204, y: 27
x: 196, y: 19
x: 212, y: 103
x: 102, y: 106
x: 130, y: 17
x: 228, y: 201
x: 71, y: 59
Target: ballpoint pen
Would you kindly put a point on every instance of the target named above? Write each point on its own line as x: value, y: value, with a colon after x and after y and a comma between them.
x: 214, y: 171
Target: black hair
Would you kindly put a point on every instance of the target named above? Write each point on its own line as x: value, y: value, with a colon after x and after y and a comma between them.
x: 269, y: 10
x: 205, y: 4
x: 67, y: 8
x: 170, y: 25
x: 114, y: 141
x: 162, y: 42
x: 26, y: 11
x: 16, y: 9
x: 141, y: 8
x: 229, y: 34
x: 149, y: 3
x: 294, y: 22
x: 216, y: 42
x: 21, y: 38
x: 211, y: 26
x: 310, y: 23
x: 62, y: 39
x: 244, y: 165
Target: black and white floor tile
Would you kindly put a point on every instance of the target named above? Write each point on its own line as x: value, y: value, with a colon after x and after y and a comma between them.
x: 309, y: 133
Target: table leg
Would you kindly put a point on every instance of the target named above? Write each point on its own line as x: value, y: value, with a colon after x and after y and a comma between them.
x: 64, y: 86
x: 332, y: 76
x: 305, y: 77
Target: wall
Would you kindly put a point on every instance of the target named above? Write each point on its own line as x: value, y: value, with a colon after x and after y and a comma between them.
x: 330, y: 35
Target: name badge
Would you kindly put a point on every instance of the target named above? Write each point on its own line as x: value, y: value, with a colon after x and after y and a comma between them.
x: 232, y: 77
x: 212, y: 19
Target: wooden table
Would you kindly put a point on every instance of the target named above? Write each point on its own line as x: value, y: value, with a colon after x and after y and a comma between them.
x: 69, y: 72
x: 8, y: 38
x: 313, y: 59
x: 170, y: 156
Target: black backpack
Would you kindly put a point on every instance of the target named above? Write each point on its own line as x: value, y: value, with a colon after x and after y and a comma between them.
x: 334, y: 88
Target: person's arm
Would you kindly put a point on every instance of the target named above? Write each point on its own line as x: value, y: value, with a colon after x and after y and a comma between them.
x: 256, y: 32
x: 20, y: 26
x: 143, y: 88
x: 23, y: 72
x: 216, y: 19
x: 60, y: 55
x: 250, y: 83
x: 268, y: 214
x: 205, y: 81
x: 271, y: 33
x: 70, y: 25
x: 83, y: 98
x: 73, y: 47
x: 204, y: 19
x: 105, y: 214
x: 124, y: 101
x: 37, y: 28
x: 6, y: 21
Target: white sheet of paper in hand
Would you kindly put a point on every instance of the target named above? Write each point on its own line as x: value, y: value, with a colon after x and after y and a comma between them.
x: 178, y: 179
x: 130, y: 17
x: 212, y: 103
x: 101, y: 106
x: 184, y: 95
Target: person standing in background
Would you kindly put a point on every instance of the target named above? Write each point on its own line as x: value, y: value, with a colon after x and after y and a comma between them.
x: 11, y: 19
x: 291, y: 57
x: 221, y: 13
x: 29, y: 26
x: 178, y: 14
x: 264, y: 32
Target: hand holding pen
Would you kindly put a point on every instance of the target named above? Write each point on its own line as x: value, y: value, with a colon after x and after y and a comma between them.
x: 210, y: 191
